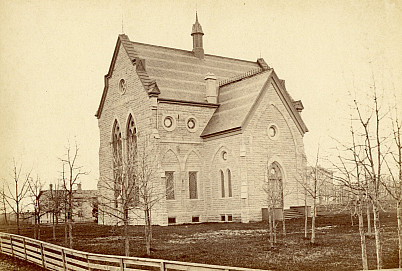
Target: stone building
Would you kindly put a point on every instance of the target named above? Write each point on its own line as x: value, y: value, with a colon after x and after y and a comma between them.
x: 220, y: 127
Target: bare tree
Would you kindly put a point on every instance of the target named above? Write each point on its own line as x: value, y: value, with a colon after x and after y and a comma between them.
x: 15, y: 195
x: 36, y: 192
x: 351, y: 174
x: 150, y: 189
x: 3, y: 204
x: 313, y: 183
x: 134, y: 189
x: 121, y: 195
x: 394, y: 185
x: 372, y: 162
x: 273, y: 187
x: 367, y: 153
x: 313, y: 180
x: 70, y: 178
x: 53, y: 204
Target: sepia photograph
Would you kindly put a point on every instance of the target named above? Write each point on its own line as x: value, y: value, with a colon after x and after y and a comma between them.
x: 200, y: 135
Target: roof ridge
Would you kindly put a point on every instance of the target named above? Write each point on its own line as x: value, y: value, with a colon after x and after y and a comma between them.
x: 240, y: 77
x: 189, y: 51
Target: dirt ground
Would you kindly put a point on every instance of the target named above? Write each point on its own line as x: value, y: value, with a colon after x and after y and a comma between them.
x: 8, y: 263
x: 245, y: 245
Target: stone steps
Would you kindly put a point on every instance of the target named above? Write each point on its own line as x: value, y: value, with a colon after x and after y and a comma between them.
x: 292, y: 213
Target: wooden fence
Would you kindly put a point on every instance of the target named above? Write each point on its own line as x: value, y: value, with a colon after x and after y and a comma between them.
x: 55, y: 257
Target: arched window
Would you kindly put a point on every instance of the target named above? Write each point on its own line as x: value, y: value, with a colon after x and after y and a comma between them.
x: 132, y: 185
x: 131, y: 138
x: 222, y: 184
x: 275, y: 184
x: 117, y: 146
x: 229, y: 183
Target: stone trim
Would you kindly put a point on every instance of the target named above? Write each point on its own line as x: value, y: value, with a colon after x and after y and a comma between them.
x: 189, y: 103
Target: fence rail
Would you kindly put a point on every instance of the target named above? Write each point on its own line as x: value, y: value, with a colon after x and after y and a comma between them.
x: 55, y: 257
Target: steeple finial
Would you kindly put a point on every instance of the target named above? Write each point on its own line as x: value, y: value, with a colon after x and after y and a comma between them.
x: 197, y: 34
x: 197, y: 29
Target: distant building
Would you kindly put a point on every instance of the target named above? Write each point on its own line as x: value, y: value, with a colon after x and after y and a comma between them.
x: 220, y: 126
x: 84, y: 205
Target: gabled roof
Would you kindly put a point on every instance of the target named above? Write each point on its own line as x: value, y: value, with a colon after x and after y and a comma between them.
x: 178, y: 75
x: 239, y: 96
x: 149, y: 85
x: 236, y: 100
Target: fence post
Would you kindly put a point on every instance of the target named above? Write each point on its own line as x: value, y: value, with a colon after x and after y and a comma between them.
x: 89, y: 268
x: 1, y: 242
x: 42, y: 255
x: 63, y: 256
x: 162, y: 266
x: 11, y: 244
x: 25, y: 250
x: 121, y: 264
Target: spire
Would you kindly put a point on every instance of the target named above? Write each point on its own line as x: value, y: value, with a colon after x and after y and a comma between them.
x: 197, y: 29
x: 197, y: 34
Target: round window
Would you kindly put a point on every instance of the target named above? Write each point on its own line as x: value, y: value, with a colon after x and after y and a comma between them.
x: 273, y: 131
x: 224, y: 155
x: 168, y: 122
x: 122, y: 86
x: 191, y: 123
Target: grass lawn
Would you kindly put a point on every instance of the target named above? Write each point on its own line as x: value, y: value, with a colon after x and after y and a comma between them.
x: 8, y: 263
x: 245, y: 245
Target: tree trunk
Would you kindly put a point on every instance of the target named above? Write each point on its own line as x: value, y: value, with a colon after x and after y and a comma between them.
x: 39, y: 228
x: 351, y: 217
x: 65, y: 227
x: 362, y: 238
x: 283, y: 210
x: 35, y: 226
x: 274, y: 225
x: 148, y: 231
x: 70, y: 233
x: 18, y: 219
x: 305, y: 215
x: 369, y: 232
x: 398, y: 216
x: 305, y: 218
x: 313, y: 222
x: 126, y: 236
x: 377, y: 233
x: 53, y: 228
x: 271, y: 236
x: 5, y: 209
x: 283, y: 223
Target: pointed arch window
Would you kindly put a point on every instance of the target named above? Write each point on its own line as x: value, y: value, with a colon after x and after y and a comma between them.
x: 131, y: 138
x: 117, y: 146
x: 229, y: 183
x: 222, y: 184
x: 132, y: 184
x: 275, y: 182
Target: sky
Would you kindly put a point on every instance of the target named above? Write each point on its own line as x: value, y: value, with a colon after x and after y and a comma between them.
x: 54, y: 55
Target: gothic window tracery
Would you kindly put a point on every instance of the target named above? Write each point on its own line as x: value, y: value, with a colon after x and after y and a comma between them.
x: 275, y: 183
x: 117, y: 146
x: 132, y: 184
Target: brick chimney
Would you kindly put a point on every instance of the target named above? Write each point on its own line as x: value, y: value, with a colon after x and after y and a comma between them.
x: 211, y: 88
x: 79, y: 188
x: 197, y: 34
x: 50, y: 187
